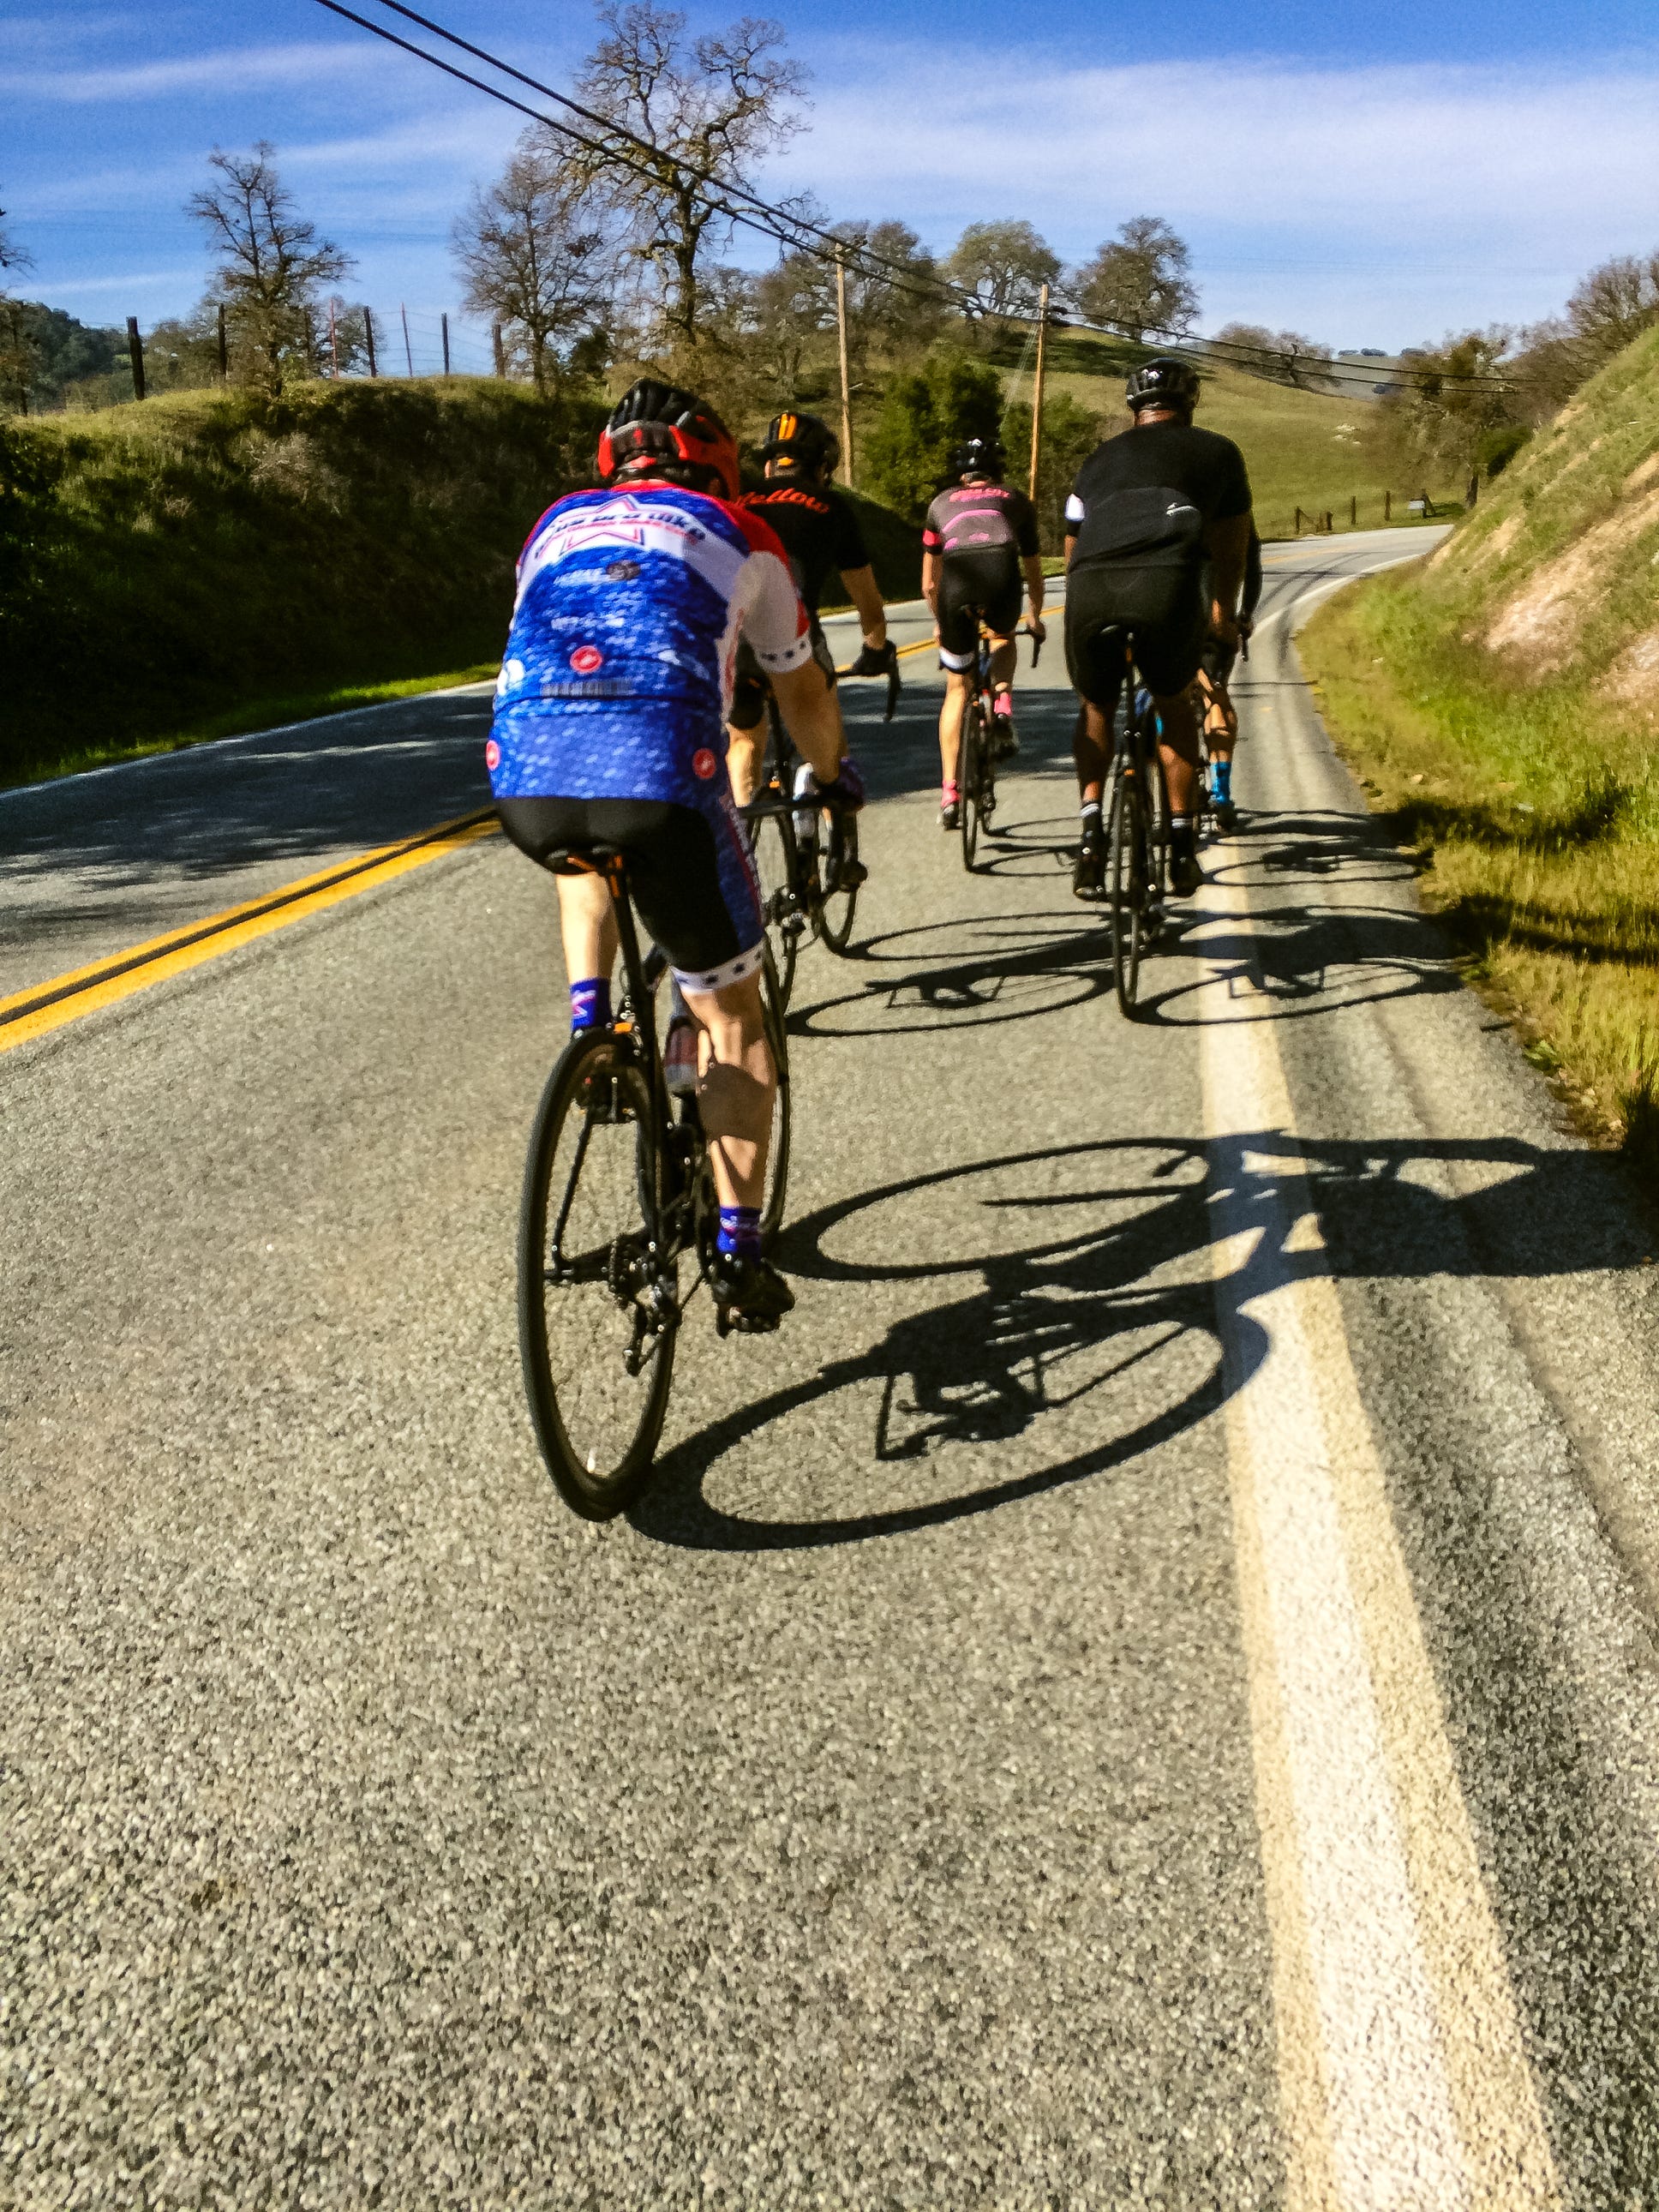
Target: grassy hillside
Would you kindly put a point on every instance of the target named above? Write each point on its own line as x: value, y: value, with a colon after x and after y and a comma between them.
x: 209, y: 560
x: 1503, y: 699
x: 1303, y: 449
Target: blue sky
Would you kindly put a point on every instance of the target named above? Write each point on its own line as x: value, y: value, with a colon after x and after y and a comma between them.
x: 1372, y: 176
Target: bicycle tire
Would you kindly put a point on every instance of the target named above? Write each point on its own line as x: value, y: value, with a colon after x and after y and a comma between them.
x: 1158, y: 819
x: 1126, y: 887
x: 573, y: 1335
x: 838, y: 841
x: 777, y: 863
x: 777, y: 1157
x: 971, y: 770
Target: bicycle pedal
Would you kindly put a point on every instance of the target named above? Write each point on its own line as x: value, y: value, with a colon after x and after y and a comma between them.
x: 849, y: 874
x: 729, y: 1322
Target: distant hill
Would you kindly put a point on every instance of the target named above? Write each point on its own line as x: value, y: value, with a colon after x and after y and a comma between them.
x: 1306, y: 449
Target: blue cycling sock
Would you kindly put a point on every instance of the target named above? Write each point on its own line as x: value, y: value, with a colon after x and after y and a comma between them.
x: 590, y: 1004
x: 740, y: 1238
x: 1221, y: 781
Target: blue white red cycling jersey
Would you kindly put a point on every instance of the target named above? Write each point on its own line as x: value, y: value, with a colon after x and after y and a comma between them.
x: 619, y: 664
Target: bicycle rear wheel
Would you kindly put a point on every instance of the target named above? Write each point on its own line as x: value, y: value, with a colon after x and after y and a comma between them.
x: 772, y: 832
x: 1126, y: 886
x: 970, y: 778
x: 777, y: 1157
x: 838, y: 865
x: 598, y: 1306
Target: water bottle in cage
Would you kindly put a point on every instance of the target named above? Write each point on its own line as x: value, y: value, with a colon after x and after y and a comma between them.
x: 807, y: 813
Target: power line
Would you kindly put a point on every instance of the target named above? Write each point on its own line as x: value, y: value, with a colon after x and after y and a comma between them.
x: 788, y: 228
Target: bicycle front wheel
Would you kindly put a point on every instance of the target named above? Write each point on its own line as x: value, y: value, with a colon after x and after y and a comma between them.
x: 1126, y: 887
x: 777, y: 1156
x: 772, y: 833
x: 970, y: 779
x: 598, y: 1302
x: 838, y: 851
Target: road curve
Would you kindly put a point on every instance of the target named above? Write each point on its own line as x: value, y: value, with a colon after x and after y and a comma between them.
x: 1144, y: 1694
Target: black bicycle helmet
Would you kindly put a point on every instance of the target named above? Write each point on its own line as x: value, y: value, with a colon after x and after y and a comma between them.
x: 657, y: 429
x: 977, y: 456
x: 1164, y: 382
x: 806, y: 439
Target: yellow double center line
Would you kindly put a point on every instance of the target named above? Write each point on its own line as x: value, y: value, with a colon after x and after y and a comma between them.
x: 46, y: 1006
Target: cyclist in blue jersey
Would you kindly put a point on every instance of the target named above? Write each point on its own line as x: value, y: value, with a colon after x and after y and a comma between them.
x: 609, y: 728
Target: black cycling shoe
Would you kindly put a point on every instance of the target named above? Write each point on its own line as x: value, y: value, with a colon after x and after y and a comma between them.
x: 1185, y: 874
x: 1006, y: 738
x: 1226, y: 817
x: 1088, y: 869
x: 750, y: 1295
x: 950, y: 815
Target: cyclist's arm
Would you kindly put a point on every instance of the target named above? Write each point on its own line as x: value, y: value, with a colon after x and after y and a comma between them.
x: 933, y: 567
x: 1226, y: 543
x: 1252, y: 581
x: 812, y: 714
x: 865, y: 592
x: 1034, y: 584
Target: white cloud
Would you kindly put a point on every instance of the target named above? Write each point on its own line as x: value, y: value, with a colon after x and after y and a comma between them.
x: 240, y: 68
x: 1423, y: 196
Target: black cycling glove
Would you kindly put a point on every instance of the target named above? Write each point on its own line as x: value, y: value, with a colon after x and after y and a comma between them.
x: 877, y: 660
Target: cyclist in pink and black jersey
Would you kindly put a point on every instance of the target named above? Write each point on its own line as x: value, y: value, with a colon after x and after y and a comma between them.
x: 979, y: 539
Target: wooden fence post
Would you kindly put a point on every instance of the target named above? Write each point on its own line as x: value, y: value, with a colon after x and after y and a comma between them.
x: 1298, y: 522
x: 1354, y: 512
x: 135, y: 354
x: 1388, y: 506
x: 501, y: 351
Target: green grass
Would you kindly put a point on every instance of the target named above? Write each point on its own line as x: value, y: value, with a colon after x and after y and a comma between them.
x: 1537, y: 823
x: 210, y: 562
x: 1302, y: 448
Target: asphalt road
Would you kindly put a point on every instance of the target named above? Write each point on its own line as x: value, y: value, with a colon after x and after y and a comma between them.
x: 1143, y: 1692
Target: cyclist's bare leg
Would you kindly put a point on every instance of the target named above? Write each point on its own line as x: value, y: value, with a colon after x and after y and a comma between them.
x: 588, y: 926
x: 1220, y: 718
x: 743, y: 751
x: 1179, y: 747
x: 950, y: 724
x: 735, y: 1093
x: 1004, y: 658
x: 1091, y: 752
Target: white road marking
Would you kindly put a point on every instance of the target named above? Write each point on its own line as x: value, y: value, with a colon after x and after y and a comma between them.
x: 1402, y: 2067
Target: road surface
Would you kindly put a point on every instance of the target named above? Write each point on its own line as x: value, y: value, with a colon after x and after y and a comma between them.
x: 1144, y: 1694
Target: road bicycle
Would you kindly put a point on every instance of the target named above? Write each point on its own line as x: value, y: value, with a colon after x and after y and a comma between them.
x: 976, y: 760
x: 806, y: 853
x: 619, y: 1207
x: 1137, y: 834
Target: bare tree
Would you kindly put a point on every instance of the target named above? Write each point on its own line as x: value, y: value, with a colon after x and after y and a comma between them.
x: 1138, y: 282
x: 706, y: 110
x: 272, y: 266
x: 540, y: 259
x: 1282, y: 356
x: 17, y: 350
x: 1003, y: 267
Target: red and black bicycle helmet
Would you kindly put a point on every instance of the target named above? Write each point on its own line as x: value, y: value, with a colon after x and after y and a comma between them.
x: 1164, y: 382
x: 658, y: 430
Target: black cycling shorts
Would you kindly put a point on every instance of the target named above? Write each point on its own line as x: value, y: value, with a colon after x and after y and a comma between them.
x: 751, y: 687
x: 1162, y: 609
x: 982, y: 582
x: 1216, y: 658
x: 693, y: 883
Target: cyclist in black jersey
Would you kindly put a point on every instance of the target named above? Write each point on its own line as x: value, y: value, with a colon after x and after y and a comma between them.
x: 1149, y: 508
x: 979, y: 538
x: 1220, y: 716
x: 820, y: 532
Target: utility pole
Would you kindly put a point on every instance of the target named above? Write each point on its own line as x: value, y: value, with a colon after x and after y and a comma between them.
x: 1036, y: 385
x: 443, y: 320
x: 333, y: 342
x: 224, y: 347
x: 501, y: 351
x: 408, y: 356
x: 135, y: 351
x: 368, y: 339
x: 846, y: 384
